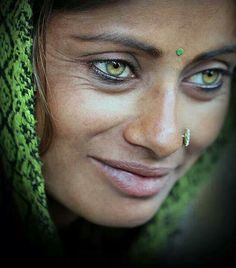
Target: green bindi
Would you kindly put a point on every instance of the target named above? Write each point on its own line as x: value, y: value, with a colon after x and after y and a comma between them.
x: 180, y: 51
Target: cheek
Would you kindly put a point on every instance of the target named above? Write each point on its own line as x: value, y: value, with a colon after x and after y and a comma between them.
x: 205, y: 122
x: 80, y: 111
x: 77, y: 114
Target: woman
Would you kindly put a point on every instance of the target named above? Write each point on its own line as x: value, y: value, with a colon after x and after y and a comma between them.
x: 127, y: 97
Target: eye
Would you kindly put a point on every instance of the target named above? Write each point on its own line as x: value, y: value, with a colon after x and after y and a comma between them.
x: 208, y: 79
x: 208, y: 84
x: 116, y: 70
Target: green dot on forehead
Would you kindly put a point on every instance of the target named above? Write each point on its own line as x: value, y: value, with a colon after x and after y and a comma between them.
x: 180, y: 51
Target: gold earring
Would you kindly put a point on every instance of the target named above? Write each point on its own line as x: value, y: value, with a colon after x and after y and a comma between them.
x: 186, y: 137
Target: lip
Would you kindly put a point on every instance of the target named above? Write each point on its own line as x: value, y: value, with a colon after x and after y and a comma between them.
x: 132, y: 178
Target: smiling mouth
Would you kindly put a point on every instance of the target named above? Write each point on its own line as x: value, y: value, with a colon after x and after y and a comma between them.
x: 133, y: 179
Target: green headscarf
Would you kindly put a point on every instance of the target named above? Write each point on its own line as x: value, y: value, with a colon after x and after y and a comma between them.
x: 18, y: 139
x: 19, y: 144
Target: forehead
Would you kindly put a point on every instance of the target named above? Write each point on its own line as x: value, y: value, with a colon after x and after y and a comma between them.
x: 155, y: 11
x: 196, y: 24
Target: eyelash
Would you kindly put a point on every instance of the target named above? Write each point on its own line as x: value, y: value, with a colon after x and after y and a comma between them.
x: 115, y: 81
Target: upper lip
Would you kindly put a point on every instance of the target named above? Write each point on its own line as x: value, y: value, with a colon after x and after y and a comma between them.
x: 136, y: 168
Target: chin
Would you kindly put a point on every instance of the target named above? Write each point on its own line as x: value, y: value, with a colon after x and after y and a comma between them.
x: 122, y: 224
x: 136, y: 223
x: 124, y: 221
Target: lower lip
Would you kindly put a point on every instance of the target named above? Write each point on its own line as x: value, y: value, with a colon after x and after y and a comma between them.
x: 131, y: 184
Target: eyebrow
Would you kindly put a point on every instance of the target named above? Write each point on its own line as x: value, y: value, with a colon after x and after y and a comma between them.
x: 122, y: 40
x: 214, y: 53
x: 127, y: 41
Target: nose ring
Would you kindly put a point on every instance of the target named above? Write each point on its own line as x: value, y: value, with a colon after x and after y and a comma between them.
x: 186, y: 137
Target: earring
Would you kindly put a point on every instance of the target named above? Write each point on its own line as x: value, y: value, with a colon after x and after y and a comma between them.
x: 186, y: 137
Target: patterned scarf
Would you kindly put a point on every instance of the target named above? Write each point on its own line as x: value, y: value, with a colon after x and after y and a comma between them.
x: 19, y: 143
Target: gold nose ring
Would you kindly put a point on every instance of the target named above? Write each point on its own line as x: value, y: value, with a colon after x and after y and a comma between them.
x: 186, y: 137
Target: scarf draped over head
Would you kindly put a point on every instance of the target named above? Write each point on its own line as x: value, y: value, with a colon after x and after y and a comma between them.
x: 19, y: 143
x: 18, y: 140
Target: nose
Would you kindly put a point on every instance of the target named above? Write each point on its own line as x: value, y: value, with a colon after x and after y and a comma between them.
x: 156, y: 127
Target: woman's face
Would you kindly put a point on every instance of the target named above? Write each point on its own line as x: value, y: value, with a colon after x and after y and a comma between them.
x: 121, y: 99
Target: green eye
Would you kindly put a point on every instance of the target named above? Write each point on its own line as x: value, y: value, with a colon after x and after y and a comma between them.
x: 210, y: 76
x: 115, y: 68
x: 207, y: 78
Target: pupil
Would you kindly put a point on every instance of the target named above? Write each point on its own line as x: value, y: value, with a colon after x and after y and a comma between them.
x: 116, y: 65
x: 210, y: 73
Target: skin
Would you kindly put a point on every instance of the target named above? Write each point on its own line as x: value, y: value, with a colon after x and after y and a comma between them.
x: 141, y: 120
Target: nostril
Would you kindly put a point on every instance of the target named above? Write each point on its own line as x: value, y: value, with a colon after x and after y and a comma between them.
x: 157, y: 128
x: 161, y: 141
x: 133, y: 132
